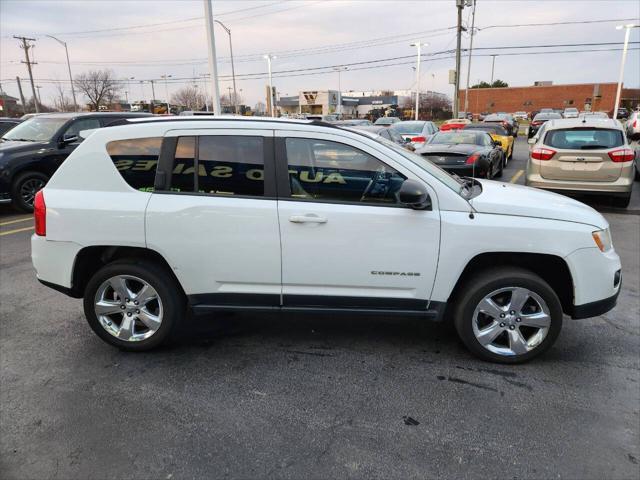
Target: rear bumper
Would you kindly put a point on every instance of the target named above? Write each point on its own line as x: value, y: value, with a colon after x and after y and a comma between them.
x: 622, y: 185
x: 465, y: 170
x: 54, y: 261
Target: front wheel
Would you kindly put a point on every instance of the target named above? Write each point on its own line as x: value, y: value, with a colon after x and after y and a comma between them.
x: 24, y: 189
x: 508, y: 315
x: 133, y: 305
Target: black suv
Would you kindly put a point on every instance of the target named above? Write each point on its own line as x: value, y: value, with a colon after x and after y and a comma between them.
x: 34, y: 149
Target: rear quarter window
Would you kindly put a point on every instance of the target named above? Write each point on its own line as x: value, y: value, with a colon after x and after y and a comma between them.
x: 584, y: 139
x: 136, y: 160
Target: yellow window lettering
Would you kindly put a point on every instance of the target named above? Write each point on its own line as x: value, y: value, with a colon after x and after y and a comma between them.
x: 123, y: 164
x: 255, y: 174
x: 144, y: 165
x: 178, y: 168
x: 189, y: 171
x: 293, y: 172
x: 304, y: 176
x: 335, y: 177
x: 222, y: 171
x: 201, y: 170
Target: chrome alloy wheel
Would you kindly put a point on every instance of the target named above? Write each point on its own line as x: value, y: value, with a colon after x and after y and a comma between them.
x: 128, y: 308
x: 511, y: 321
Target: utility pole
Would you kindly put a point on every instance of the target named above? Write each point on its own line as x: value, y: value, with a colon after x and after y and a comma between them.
x: 153, y: 91
x: 456, y: 100
x: 466, y: 92
x: 25, y: 46
x: 73, y: 90
x: 213, y: 61
x: 166, y: 91
x: 24, y: 105
x: 493, y: 65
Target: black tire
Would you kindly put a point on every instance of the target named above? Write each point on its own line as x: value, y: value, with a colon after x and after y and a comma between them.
x: 170, y: 293
x: 482, y: 284
x: 501, y: 169
x: 622, y: 202
x: 26, y: 181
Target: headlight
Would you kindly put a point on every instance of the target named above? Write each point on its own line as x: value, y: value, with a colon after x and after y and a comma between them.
x: 602, y: 239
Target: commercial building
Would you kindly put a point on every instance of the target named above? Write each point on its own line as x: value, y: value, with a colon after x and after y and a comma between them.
x: 354, y: 103
x: 543, y: 94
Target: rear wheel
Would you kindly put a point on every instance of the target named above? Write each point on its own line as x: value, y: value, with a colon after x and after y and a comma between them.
x: 622, y: 202
x: 508, y: 315
x: 133, y: 305
x: 24, y: 189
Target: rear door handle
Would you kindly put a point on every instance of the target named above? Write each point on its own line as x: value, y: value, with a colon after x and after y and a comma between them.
x: 309, y: 218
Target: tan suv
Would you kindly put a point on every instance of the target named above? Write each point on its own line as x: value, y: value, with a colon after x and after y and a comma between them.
x: 582, y: 155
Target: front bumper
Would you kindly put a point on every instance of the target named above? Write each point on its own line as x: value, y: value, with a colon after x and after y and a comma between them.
x: 597, y: 279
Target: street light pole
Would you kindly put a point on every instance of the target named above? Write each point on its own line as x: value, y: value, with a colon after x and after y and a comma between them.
x: 66, y: 50
x: 233, y: 70
x: 166, y: 91
x: 466, y: 91
x: 419, y: 45
x: 493, y: 64
x: 213, y: 61
x: 339, y: 70
x: 627, y: 33
x: 268, y: 58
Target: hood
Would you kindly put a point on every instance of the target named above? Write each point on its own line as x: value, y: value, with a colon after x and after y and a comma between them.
x: 12, y: 146
x: 461, y: 149
x: 509, y: 199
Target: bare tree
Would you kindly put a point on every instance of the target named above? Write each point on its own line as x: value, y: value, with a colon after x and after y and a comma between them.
x: 99, y: 86
x: 190, y: 98
x: 226, y: 99
x: 61, y: 101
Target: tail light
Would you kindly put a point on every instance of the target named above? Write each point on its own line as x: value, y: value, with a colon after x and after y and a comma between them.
x: 40, y: 214
x: 622, y: 155
x: 505, y: 124
x: 635, y: 123
x: 472, y: 159
x: 419, y: 139
x: 535, y: 124
x: 542, y: 153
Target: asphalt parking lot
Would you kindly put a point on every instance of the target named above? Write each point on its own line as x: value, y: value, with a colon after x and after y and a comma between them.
x: 314, y: 396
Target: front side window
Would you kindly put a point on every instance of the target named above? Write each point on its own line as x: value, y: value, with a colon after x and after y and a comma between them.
x: 219, y: 165
x: 331, y: 171
x: 136, y: 160
x: 84, y: 124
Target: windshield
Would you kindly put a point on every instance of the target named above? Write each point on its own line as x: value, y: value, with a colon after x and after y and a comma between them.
x: 454, y: 184
x: 36, y: 129
x: 408, y: 128
x: 459, y: 137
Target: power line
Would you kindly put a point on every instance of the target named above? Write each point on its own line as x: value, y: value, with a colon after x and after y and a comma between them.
x: 357, y: 65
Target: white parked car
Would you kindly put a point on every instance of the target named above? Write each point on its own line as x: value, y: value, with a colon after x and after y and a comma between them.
x: 570, y: 112
x: 149, y: 220
x: 521, y: 115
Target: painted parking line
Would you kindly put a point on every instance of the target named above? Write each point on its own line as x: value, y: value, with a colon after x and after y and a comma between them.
x: 23, y: 219
x: 17, y: 230
x: 515, y: 178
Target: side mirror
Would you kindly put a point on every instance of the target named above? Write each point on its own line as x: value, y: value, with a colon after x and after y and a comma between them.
x: 497, y: 143
x: 415, y: 195
x: 531, y: 141
x: 66, y: 139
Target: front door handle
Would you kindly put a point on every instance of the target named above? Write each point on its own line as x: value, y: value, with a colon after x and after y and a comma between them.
x: 309, y: 218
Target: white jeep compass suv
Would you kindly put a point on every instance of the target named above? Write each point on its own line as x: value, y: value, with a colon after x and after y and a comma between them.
x: 158, y: 218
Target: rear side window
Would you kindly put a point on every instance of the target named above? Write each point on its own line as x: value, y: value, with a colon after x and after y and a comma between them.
x: 136, y: 159
x: 219, y: 165
x: 584, y: 139
x: 323, y: 170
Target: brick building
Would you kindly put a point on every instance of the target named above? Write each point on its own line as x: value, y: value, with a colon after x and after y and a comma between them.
x: 584, y: 96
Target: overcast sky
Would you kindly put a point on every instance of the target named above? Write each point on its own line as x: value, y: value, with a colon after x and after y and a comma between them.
x: 147, y: 39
